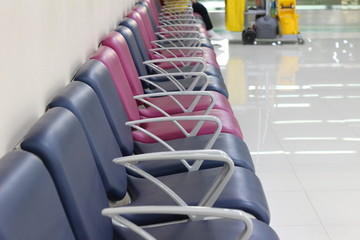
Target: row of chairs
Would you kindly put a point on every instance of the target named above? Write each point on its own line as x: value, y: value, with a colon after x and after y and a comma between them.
x: 142, y: 144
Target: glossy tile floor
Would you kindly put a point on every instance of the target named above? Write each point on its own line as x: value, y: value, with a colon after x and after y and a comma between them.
x: 299, y: 109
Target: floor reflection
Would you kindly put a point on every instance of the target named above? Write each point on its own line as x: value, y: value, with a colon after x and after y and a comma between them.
x: 298, y: 106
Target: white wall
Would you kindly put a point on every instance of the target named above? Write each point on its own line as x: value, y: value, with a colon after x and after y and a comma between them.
x: 42, y: 43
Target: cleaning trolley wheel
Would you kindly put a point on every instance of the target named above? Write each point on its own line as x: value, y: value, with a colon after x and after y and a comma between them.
x: 248, y: 36
x: 301, y: 41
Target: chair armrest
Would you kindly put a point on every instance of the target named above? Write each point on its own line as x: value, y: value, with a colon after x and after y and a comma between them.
x: 184, y: 13
x: 176, y: 52
x: 153, y: 64
x: 178, y: 81
x: 215, y: 190
x: 198, y: 155
x: 179, y: 21
x: 201, y: 119
x: 180, y: 26
x: 175, y: 42
x: 144, y: 99
x: 200, y: 212
x: 170, y: 2
x: 182, y: 59
x: 210, y: 154
x: 177, y: 33
x: 178, y: 7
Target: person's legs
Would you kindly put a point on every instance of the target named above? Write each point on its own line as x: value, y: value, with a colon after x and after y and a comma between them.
x: 199, y: 8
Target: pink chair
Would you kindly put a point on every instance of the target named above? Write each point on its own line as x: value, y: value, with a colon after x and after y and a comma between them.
x: 169, y: 130
x: 139, y: 14
x: 170, y: 18
x: 118, y: 43
x: 129, y: 29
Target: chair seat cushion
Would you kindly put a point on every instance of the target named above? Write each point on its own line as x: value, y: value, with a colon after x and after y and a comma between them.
x: 218, y: 229
x: 169, y: 130
x: 244, y: 191
x: 234, y: 146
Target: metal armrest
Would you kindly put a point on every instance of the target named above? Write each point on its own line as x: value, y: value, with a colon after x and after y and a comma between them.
x: 171, y: 2
x: 180, y: 26
x: 203, y: 212
x: 174, y: 8
x: 183, y: 155
x: 144, y: 98
x: 185, y: 13
x: 177, y: 82
x: 201, y: 119
x: 175, y: 42
x: 215, y: 190
x: 176, y: 3
x: 183, y: 60
x: 177, y: 33
x: 189, y: 18
x: 185, y: 19
x: 175, y: 51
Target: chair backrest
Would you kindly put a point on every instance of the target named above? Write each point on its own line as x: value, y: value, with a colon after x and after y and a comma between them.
x: 95, y: 74
x: 154, y: 10
x: 142, y: 29
x: 60, y: 142
x: 146, y: 18
x: 110, y: 59
x: 157, y: 4
x: 29, y: 203
x: 146, y: 55
x: 135, y: 44
x: 83, y: 102
x: 117, y: 42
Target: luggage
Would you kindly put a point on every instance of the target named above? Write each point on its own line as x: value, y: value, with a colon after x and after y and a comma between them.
x: 248, y: 36
x: 266, y: 27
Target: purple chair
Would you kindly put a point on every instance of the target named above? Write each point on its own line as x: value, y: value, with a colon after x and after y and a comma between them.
x: 95, y: 74
x: 169, y: 130
x: 140, y: 45
x: 117, y: 42
x: 140, y: 15
x: 143, y: 64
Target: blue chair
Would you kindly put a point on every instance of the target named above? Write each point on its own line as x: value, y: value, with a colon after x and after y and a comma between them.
x: 29, y: 203
x: 59, y: 140
x: 243, y: 191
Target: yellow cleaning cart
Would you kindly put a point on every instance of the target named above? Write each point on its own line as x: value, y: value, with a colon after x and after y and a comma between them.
x: 270, y: 21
